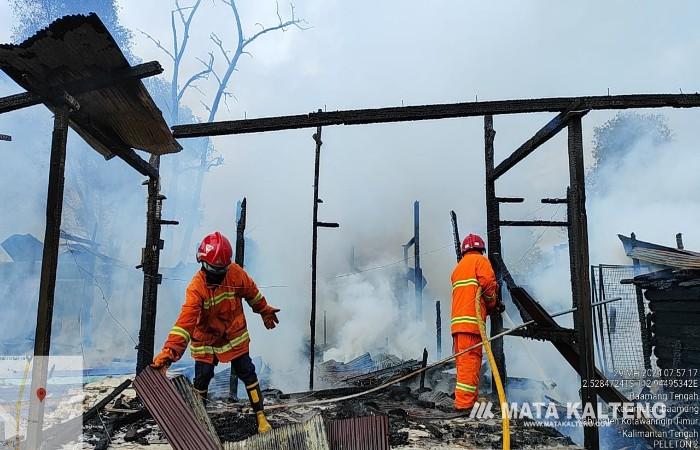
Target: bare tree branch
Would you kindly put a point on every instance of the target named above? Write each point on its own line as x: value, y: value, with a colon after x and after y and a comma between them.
x: 203, y: 74
x: 157, y: 43
x: 216, y: 40
x: 282, y: 25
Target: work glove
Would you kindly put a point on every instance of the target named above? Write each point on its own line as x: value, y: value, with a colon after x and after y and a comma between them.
x: 162, y: 361
x: 269, y: 317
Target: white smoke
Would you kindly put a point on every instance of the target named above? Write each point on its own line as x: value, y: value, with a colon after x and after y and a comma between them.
x: 367, y: 315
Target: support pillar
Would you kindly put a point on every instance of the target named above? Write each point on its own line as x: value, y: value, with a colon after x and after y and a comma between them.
x: 314, y: 251
x: 49, y: 266
x: 580, y: 282
x: 150, y: 263
x: 438, y: 330
x: 417, y: 271
x: 455, y: 236
x: 641, y: 311
x: 493, y: 238
x: 240, y: 260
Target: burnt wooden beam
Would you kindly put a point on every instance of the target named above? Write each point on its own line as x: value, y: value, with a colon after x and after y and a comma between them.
x: 240, y: 260
x: 546, y: 133
x: 314, y: 255
x: 554, y: 201
x: 417, y: 269
x: 26, y: 99
x: 580, y: 281
x: 455, y: 236
x: 142, y: 166
x: 327, y: 224
x: 510, y: 199
x: 432, y: 112
x: 493, y: 238
x: 532, y: 223
x: 5, y: 137
x: 150, y: 263
x: 47, y: 283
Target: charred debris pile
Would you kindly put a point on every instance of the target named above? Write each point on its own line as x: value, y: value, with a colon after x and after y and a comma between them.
x: 404, y: 414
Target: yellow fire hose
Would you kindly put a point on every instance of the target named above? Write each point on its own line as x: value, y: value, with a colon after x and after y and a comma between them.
x: 505, y: 422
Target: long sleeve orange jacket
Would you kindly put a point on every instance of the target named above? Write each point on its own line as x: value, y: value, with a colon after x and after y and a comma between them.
x: 212, y: 321
x: 473, y: 271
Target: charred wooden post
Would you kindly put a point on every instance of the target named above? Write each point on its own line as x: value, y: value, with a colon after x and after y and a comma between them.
x: 150, y: 264
x: 455, y: 236
x: 438, y: 329
x: 240, y: 232
x: 641, y: 312
x: 314, y: 250
x: 417, y: 271
x: 493, y: 238
x: 423, y: 364
x: 5, y: 137
x: 580, y: 283
x: 49, y: 265
x: 679, y: 241
x: 240, y: 260
x: 599, y: 334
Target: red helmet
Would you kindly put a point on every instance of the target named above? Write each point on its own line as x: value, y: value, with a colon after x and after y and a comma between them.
x: 473, y: 242
x: 215, y: 250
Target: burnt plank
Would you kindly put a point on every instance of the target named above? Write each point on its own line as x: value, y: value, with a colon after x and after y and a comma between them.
x: 432, y: 112
x: 546, y: 133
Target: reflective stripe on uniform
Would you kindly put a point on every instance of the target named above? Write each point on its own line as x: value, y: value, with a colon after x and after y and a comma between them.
x: 467, y: 282
x: 204, y: 349
x: 208, y: 303
x: 465, y: 387
x: 256, y: 299
x: 464, y: 319
x: 489, y: 298
x: 179, y: 331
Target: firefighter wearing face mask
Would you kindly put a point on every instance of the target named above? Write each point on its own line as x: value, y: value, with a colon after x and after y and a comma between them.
x: 473, y: 271
x: 212, y: 322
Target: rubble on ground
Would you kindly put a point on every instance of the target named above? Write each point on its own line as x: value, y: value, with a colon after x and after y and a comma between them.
x: 417, y: 419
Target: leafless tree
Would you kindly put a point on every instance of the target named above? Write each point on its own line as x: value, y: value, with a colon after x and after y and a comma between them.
x: 183, y: 15
x: 208, y: 157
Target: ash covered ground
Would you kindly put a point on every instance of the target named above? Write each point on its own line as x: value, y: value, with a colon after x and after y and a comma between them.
x: 416, y: 421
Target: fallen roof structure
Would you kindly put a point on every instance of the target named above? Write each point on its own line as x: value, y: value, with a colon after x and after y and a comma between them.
x: 75, y: 68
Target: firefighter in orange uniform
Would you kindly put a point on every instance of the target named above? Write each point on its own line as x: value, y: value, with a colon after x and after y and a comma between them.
x: 473, y: 271
x: 213, y: 324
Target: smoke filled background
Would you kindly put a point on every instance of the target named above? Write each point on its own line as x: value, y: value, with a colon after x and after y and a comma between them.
x: 641, y: 167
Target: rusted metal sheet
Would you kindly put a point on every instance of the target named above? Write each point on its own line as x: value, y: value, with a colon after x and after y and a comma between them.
x: 70, y: 51
x: 184, y: 387
x: 171, y: 412
x: 310, y: 435
x: 359, y: 433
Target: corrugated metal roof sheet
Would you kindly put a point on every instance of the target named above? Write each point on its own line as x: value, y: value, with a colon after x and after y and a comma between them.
x: 310, y: 435
x: 359, y: 433
x: 173, y: 415
x: 75, y: 48
x: 184, y: 387
x: 659, y: 254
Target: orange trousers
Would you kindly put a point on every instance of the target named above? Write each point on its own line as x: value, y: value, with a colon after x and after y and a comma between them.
x: 468, y: 369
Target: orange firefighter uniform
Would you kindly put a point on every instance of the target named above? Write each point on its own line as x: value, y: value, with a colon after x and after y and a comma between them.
x: 212, y: 321
x: 473, y: 271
